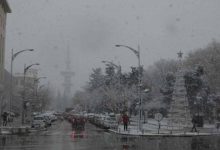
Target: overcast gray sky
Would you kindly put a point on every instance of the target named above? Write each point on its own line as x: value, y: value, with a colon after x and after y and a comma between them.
x: 91, y: 28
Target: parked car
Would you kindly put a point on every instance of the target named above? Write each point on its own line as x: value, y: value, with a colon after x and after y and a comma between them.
x: 110, y: 121
x: 51, y: 116
x: 47, y: 121
x: 38, y: 122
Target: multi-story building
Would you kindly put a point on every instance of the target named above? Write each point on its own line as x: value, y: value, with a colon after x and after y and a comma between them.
x: 4, y: 9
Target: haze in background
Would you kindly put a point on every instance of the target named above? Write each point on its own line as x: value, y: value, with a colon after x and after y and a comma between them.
x: 91, y: 28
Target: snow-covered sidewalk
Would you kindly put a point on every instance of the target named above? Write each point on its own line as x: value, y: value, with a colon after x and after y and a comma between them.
x: 133, y: 131
x: 150, y: 128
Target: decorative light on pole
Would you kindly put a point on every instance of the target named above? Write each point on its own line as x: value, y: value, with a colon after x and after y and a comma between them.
x: 137, y: 53
x: 13, y: 56
x: 24, y: 98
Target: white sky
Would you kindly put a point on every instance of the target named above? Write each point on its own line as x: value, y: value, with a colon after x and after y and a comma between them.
x: 91, y: 28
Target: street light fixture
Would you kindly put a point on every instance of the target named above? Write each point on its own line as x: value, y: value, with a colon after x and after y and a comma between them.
x: 24, y: 96
x: 112, y: 64
x: 13, y: 56
x: 137, y: 53
x: 16, y: 54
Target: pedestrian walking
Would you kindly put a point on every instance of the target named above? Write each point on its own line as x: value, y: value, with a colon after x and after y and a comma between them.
x: 194, y: 124
x: 5, y: 118
x: 82, y: 122
x: 74, y: 123
x: 125, y: 120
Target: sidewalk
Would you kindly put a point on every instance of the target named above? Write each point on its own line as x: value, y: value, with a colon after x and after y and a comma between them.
x: 133, y: 131
x: 15, y: 127
x: 151, y: 129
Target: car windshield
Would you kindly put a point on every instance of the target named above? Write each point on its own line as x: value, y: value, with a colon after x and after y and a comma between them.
x: 38, y: 118
x: 109, y: 74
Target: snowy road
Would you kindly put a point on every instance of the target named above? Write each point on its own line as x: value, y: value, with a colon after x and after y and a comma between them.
x: 59, y: 137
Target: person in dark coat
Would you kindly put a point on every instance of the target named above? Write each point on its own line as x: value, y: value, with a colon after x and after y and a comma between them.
x: 125, y: 120
x: 74, y: 123
x: 194, y: 124
x: 82, y: 123
x: 5, y: 118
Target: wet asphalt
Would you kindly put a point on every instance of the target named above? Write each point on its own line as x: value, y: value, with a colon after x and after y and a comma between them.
x: 61, y: 137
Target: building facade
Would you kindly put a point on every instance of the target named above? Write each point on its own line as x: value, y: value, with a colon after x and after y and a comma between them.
x: 4, y: 9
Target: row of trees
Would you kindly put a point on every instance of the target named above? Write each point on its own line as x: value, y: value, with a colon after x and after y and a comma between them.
x: 115, y: 91
x: 111, y: 91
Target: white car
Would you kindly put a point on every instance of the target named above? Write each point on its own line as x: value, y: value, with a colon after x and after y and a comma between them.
x: 51, y: 116
x: 110, y: 122
x: 38, y: 122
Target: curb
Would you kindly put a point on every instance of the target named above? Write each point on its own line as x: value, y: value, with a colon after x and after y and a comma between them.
x: 187, y: 134
x: 18, y: 130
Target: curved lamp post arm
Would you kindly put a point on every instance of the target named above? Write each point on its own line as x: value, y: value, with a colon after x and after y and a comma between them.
x: 28, y: 67
x: 136, y: 52
x: 16, y: 54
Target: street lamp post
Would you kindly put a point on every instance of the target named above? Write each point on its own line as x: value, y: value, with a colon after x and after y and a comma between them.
x: 36, y: 87
x: 24, y: 92
x: 137, y: 53
x: 13, y: 56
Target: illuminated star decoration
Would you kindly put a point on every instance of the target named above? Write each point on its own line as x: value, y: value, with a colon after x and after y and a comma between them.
x: 180, y: 55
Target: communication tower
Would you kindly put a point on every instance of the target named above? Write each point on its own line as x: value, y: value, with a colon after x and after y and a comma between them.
x: 67, y: 84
